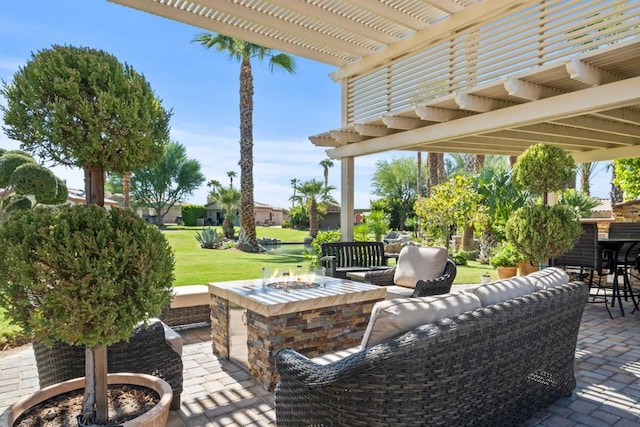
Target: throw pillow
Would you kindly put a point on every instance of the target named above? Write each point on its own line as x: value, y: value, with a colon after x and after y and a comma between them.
x: 418, y: 262
x: 394, y: 317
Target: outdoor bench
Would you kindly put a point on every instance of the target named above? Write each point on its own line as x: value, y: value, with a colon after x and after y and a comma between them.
x: 340, y: 258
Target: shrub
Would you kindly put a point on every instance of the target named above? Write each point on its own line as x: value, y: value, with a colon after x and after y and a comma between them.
x: 460, y: 258
x: 321, y: 237
x: 361, y: 233
x: 504, y: 255
x: 209, y: 239
x: 190, y: 214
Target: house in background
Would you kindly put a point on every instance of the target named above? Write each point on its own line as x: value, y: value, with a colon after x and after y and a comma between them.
x: 265, y: 214
x: 78, y: 197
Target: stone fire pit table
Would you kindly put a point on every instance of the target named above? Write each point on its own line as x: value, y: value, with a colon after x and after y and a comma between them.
x: 312, y: 321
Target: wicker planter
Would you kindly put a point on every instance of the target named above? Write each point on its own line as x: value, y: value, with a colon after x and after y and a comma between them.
x: 506, y: 272
x: 156, y: 417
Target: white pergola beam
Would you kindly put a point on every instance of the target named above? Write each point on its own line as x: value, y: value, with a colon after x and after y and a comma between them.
x: 480, y: 104
x: 578, y: 133
x: 624, y: 115
x: 530, y: 138
x: 598, y: 125
x: 448, y: 6
x: 603, y: 155
x: 371, y: 130
x: 436, y: 114
x: 321, y: 141
x: 588, y: 74
x: 527, y: 90
x: 345, y: 137
x: 390, y: 12
x: 402, y: 123
x: 598, y: 98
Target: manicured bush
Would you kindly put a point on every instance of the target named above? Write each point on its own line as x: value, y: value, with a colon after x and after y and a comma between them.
x: 191, y: 213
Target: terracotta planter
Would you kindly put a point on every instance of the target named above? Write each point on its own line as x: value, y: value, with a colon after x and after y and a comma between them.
x: 506, y: 272
x: 525, y: 267
x: 156, y: 417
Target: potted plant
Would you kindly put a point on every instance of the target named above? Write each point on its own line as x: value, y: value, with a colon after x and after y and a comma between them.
x: 485, y: 278
x: 80, y: 274
x: 504, y: 259
x: 539, y: 231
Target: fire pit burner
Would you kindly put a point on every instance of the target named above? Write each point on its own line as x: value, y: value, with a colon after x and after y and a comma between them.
x: 292, y: 285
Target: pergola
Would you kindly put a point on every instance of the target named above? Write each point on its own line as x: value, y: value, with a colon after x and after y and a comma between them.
x: 465, y: 76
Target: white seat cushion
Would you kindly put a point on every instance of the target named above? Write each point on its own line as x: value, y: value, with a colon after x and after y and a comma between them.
x: 393, y: 317
x: 190, y: 296
x: 418, y: 262
x: 503, y: 290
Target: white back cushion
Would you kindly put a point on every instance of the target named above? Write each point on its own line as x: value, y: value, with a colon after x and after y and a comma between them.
x: 549, y: 277
x: 394, y: 317
x: 503, y: 290
x: 417, y: 262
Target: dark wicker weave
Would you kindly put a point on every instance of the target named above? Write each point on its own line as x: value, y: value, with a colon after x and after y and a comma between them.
x: 495, y: 366
x: 147, y: 352
x: 439, y: 285
x: 186, y: 317
x: 340, y: 258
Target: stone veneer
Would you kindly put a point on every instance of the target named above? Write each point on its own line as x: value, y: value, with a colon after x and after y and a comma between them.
x: 312, y: 333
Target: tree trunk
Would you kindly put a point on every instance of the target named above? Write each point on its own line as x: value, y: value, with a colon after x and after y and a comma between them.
x: 512, y: 160
x: 247, y: 215
x: 126, y: 189
x: 432, y: 159
x: 313, y: 219
x: 94, y: 185
x: 94, y: 404
x: 478, y: 165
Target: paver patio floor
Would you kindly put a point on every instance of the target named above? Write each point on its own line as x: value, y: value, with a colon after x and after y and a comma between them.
x: 220, y: 393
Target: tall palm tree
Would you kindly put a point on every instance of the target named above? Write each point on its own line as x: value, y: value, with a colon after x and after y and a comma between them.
x: 294, y: 184
x: 312, y: 192
x: 231, y: 175
x: 244, y: 52
x: 586, y: 172
x: 326, y: 164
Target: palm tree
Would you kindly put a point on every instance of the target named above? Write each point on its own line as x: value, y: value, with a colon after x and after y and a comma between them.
x: 229, y: 198
x: 326, y: 164
x: 311, y: 192
x: 294, y: 184
x: 231, y: 175
x: 244, y: 52
x: 586, y: 172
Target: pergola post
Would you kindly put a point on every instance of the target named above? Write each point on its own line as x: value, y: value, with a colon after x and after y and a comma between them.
x: 346, y: 198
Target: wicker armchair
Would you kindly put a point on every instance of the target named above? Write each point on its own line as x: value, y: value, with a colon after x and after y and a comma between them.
x: 147, y: 352
x: 493, y: 366
x: 439, y: 285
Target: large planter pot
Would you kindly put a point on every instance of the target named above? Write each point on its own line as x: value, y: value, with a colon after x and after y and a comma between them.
x: 156, y: 417
x: 525, y: 267
x: 506, y: 272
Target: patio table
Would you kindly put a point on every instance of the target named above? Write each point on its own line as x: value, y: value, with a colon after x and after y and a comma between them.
x: 615, y: 245
x: 331, y: 316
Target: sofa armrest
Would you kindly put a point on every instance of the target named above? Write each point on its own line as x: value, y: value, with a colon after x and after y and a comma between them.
x: 329, y: 263
x: 439, y: 285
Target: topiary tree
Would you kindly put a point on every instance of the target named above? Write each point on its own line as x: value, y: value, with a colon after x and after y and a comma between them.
x: 25, y: 183
x: 85, y: 276
x: 80, y: 107
x: 543, y: 168
x: 540, y: 232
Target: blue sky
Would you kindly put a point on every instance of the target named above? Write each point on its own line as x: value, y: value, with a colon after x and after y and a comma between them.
x: 201, y: 87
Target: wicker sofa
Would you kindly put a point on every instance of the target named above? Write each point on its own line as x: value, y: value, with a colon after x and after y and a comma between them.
x: 493, y: 365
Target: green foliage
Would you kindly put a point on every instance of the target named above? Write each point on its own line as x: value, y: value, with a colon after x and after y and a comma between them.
x: 229, y: 198
x: 82, y: 107
x: 378, y: 224
x: 321, y: 237
x: 361, y: 233
x: 581, y: 202
x: 313, y: 194
x: 543, y: 168
x: 540, y: 232
x: 504, y: 255
x: 209, y: 238
x: 171, y: 180
x: 627, y: 177
x: 298, y: 216
x: 22, y: 180
x: 451, y: 205
x: 396, y: 183
x: 81, y: 274
x: 190, y: 214
x: 460, y: 258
